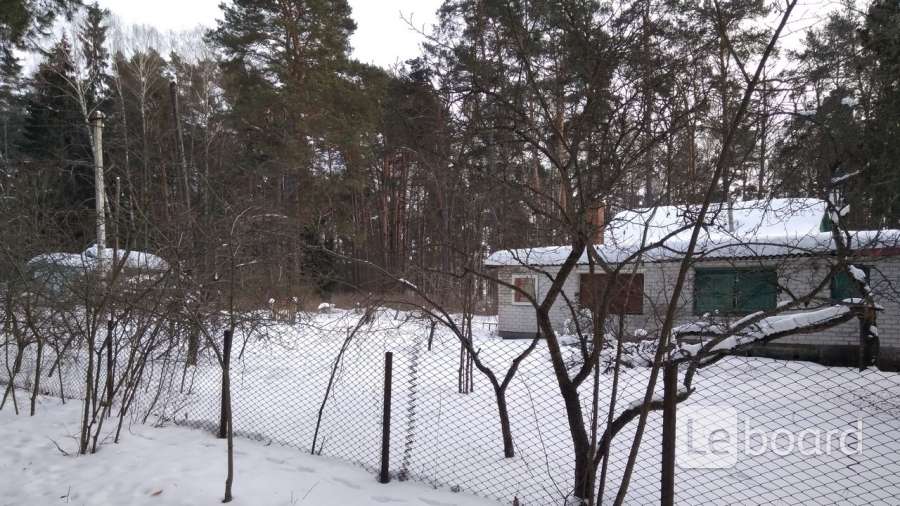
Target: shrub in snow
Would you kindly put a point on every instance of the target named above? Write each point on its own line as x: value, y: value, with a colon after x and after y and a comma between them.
x: 583, y: 322
x: 635, y: 353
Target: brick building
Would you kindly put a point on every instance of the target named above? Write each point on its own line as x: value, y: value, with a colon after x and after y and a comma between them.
x: 766, y: 253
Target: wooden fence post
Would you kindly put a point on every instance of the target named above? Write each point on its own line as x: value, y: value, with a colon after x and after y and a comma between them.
x: 226, y: 359
x: 384, y: 476
x: 667, y: 478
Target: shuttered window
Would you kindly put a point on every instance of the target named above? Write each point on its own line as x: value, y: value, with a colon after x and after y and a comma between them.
x: 713, y: 291
x: 845, y: 287
x: 627, y: 297
x: 735, y: 291
x: 526, y: 284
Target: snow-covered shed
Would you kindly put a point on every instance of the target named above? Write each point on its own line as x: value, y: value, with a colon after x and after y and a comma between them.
x: 55, y: 271
x: 751, y: 256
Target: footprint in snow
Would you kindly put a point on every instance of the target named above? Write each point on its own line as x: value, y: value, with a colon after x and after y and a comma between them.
x: 304, y: 469
x: 347, y: 483
x: 385, y: 499
x: 274, y: 460
x: 432, y: 502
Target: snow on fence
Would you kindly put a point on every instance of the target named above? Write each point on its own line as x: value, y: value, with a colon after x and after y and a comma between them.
x: 306, y: 385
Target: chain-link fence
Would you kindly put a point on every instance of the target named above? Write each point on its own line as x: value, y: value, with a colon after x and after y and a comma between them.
x: 764, y: 431
x: 754, y: 431
x: 319, y: 387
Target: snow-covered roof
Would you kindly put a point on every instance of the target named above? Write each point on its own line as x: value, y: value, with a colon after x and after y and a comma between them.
x: 90, y: 258
x: 766, y: 218
x: 774, y: 227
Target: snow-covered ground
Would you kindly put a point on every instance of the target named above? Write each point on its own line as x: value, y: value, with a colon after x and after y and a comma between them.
x: 176, y: 466
x: 446, y: 439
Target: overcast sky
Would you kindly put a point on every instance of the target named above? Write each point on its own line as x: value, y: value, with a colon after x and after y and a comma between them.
x: 382, y: 37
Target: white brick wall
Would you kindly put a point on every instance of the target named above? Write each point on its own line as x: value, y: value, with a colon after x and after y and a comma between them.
x: 797, y: 275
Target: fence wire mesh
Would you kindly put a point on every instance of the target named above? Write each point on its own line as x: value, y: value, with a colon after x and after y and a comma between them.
x: 790, y: 432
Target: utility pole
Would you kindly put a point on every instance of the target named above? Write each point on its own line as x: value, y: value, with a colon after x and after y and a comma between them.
x: 99, y: 188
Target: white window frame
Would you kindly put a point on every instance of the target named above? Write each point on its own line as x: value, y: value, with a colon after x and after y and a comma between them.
x: 513, y: 279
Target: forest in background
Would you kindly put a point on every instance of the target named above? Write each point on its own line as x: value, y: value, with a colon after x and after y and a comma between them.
x: 334, y: 176
x: 261, y: 162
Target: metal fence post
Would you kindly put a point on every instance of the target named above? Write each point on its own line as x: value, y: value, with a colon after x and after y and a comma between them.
x: 667, y: 478
x: 110, y: 366
x: 384, y: 476
x: 863, y: 334
x: 226, y: 359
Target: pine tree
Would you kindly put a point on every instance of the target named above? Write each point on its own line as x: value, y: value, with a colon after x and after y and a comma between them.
x: 55, y: 139
x: 23, y: 22
x: 881, y: 43
x: 846, y: 110
x: 92, y: 36
x: 283, y: 54
x: 282, y: 64
x: 10, y: 109
x: 285, y: 39
x: 295, y: 103
x: 51, y: 113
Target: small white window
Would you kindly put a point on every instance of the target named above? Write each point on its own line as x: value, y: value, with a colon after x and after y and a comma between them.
x: 527, y: 284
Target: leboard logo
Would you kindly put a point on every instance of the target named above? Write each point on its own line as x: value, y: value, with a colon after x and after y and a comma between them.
x: 714, y: 437
x: 706, y: 437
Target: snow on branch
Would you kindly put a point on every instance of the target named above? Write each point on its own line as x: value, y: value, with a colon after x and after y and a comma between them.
x: 727, y: 338
x: 845, y: 177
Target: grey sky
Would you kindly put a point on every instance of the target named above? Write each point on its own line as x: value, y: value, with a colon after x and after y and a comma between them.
x: 382, y: 37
